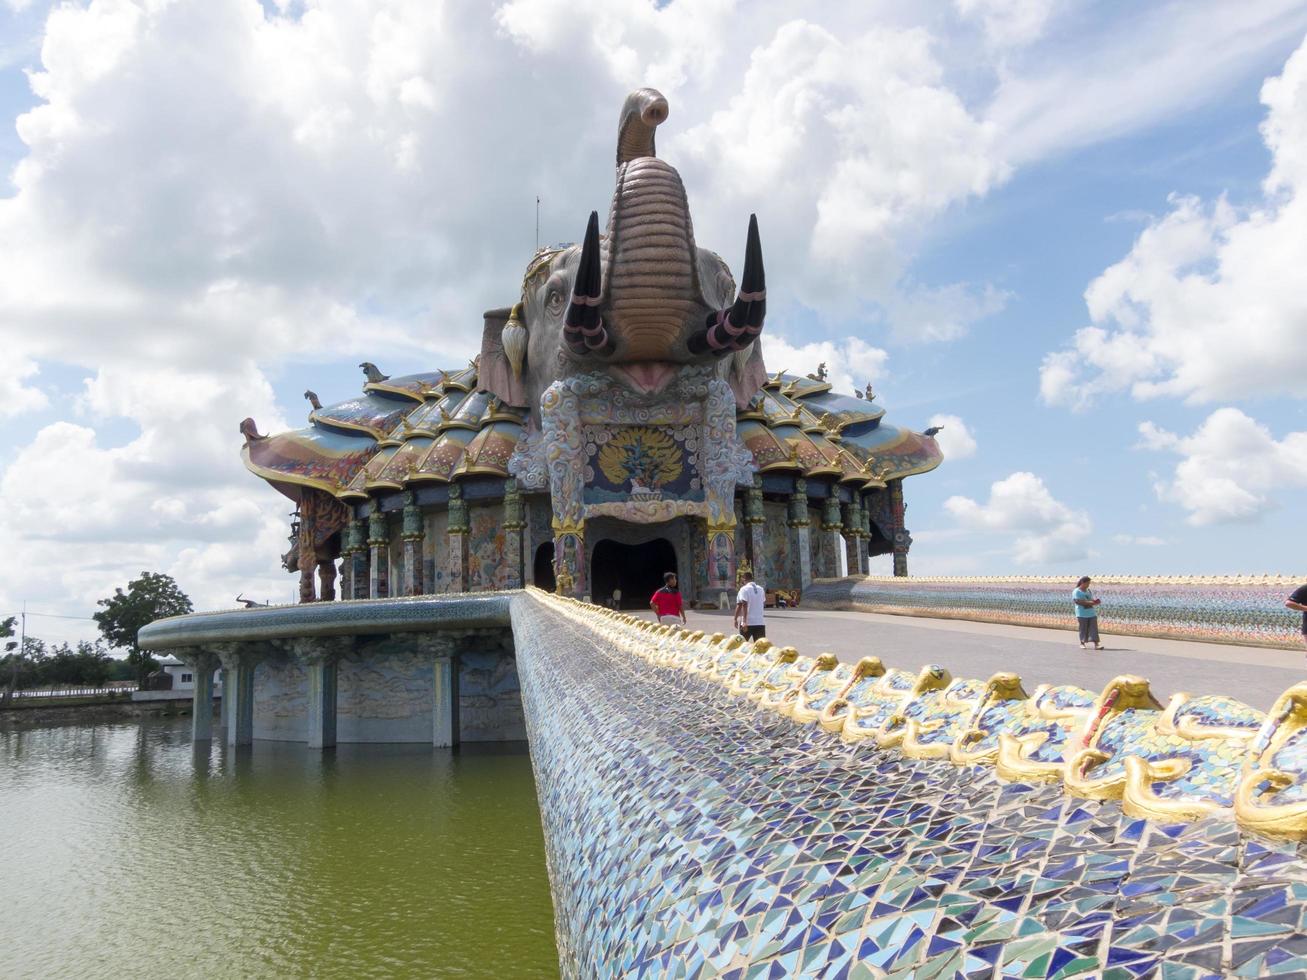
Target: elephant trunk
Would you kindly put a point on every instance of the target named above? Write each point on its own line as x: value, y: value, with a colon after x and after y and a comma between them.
x: 644, y: 109
x: 652, y: 279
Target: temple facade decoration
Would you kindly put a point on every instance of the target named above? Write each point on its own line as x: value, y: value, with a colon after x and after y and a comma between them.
x: 617, y: 424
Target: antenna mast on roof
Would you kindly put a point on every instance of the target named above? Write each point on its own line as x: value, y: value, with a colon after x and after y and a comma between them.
x: 537, y: 222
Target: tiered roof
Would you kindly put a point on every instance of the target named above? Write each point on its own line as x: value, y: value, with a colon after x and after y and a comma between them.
x: 437, y: 427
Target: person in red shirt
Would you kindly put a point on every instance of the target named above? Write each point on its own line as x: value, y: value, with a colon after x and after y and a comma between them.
x: 666, y: 602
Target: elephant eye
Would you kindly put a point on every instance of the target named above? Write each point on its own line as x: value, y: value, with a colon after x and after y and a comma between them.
x: 555, y: 295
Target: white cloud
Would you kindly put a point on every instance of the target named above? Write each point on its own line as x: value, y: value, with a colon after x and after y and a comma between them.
x: 17, y: 398
x: 1046, y: 530
x: 1101, y: 78
x: 860, y: 132
x: 955, y: 439
x: 1008, y: 23
x: 1139, y: 540
x: 850, y: 364
x: 1230, y: 467
x: 1208, y: 305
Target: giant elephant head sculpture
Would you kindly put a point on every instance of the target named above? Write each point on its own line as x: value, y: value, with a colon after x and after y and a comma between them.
x: 642, y: 302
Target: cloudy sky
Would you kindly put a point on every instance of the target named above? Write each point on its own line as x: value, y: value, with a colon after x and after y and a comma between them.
x: 1072, y: 233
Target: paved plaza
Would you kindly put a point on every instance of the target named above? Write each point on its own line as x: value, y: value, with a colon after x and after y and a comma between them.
x: 1253, y: 674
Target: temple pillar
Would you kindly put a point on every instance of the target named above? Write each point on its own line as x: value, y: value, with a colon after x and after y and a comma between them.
x: 378, y: 553
x: 239, y: 661
x: 800, y: 544
x: 832, y: 532
x: 514, y: 526
x: 569, y: 558
x: 412, y: 536
x: 347, y: 561
x: 854, y: 537
x: 327, y: 580
x: 456, y: 574
x: 202, y: 664
x: 902, y: 540
x: 354, y: 561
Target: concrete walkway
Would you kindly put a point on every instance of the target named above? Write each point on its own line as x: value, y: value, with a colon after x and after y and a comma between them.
x: 1252, y: 674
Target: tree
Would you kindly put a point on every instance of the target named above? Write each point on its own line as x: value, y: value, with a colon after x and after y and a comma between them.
x: 11, y: 657
x: 150, y: 597
x: 24, y: 666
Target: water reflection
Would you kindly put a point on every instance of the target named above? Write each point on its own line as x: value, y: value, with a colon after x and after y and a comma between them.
x: 124, y: 850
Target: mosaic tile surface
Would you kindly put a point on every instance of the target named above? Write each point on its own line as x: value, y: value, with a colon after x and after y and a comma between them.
x: 695, y: 832
x: 1229, y: 610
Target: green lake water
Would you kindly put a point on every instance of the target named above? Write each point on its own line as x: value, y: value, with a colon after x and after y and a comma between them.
x: 126, y: 852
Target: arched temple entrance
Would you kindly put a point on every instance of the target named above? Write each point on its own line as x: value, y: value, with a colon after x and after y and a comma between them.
x: 543, y: 567
x: 636, y: 569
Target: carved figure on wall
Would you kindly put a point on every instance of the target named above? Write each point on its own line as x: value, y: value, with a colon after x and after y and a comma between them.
x: 564, y: 582
x: 745, y: 567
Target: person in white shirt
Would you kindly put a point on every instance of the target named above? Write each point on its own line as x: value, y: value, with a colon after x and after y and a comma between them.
x: 748, y: 609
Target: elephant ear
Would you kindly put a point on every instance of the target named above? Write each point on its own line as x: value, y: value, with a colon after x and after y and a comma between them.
x: 747, y: 374
x: 495, y: 373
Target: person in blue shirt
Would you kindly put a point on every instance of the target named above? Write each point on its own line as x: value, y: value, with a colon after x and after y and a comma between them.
x: 1086, y: 613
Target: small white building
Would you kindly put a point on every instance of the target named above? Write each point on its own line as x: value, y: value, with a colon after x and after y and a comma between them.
x: 183, y: 683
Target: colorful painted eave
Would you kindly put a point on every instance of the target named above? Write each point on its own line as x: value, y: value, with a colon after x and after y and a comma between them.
x: 437, y: 426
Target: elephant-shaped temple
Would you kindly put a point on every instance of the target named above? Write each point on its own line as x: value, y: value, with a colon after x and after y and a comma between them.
x: 618, y: 423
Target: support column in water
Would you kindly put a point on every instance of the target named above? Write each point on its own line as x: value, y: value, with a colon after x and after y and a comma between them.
x: 444, y: 731
x: 202, y: 664
x: 224, y: 709
x: 444, y: 688
x: 321, y: 658
x: 239, y: 661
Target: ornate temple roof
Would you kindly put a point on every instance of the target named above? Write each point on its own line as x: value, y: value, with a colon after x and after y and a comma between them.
x: 435, y: 427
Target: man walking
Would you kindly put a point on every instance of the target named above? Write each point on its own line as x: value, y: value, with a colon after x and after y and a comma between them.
x: 666, y: 602
x: 1086, y: 613
x: 1298, y: 602
x: 748, y: 609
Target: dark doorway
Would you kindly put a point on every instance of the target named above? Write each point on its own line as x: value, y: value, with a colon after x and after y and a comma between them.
x: 543, y: 567
x: 635, y: 569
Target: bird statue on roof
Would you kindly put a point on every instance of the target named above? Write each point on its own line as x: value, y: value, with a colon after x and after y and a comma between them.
x: 933, y: 431
x: 248, y: 603
x: 869, y: 395
x: 312, y: 396
x: 857, y: 392
x: 372, y: 373
x: 821, y: 373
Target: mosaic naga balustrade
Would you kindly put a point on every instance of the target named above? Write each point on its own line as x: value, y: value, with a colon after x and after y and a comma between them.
x: 720, y: 808
x: 1247, y: 610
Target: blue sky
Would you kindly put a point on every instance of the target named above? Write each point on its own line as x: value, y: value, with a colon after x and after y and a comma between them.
x: 1073, y: 232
